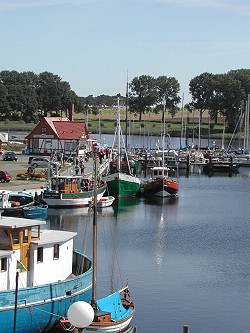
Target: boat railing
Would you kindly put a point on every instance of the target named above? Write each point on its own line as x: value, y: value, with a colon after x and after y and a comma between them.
x: 81, y: 263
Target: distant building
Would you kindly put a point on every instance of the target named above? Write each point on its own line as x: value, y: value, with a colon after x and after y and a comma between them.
x: 3, y: 139
x: 58, y: 135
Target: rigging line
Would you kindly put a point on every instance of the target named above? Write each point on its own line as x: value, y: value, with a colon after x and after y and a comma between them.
x: 31, y: 311
x: 106, y: 251
x: 115, y: 252
x: 86, y: 234
x: 51, y: 313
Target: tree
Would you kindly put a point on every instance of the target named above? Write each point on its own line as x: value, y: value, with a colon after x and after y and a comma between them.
x: 168, y: 89
x: 4, y: 105
x: 242, y: 75
x: 228, y: 94
x: 143, y: 94
x: 29, y: 101
x: 53, y: 93
x: 201, y: 89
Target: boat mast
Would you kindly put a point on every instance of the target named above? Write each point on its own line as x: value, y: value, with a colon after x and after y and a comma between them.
x: 163, y: 140
x: 119, y: 133
x: 15, y: 309
x: 182, y: 111
x: 94, y: 249
x: 126, y: 132
x: 246, y: 126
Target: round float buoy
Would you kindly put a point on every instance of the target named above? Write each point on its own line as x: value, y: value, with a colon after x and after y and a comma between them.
x: 80, y: 314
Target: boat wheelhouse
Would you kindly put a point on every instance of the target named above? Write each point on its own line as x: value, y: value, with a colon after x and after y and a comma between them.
x: 71, y: 191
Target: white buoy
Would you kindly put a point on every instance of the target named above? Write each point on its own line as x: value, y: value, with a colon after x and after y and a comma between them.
x: 80, y: 314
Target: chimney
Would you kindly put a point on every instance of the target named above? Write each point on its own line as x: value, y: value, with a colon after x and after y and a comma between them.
x: 71, y: 114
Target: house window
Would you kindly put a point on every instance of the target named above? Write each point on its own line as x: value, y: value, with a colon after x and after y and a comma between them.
x: 40, y: 254
x: 3, y: 264
x: 56, y: 251
x: 43, y: 129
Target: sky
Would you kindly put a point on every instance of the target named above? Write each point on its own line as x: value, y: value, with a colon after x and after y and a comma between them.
x: 97, y: 45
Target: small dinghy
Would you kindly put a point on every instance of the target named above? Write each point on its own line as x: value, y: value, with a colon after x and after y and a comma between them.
x: 35, y: 211
x: 103, y: 202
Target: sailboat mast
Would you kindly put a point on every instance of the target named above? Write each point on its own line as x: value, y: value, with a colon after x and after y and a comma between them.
x: 163, y: 140
x: 94, y: 249
x: 119, y: 133
x: 182, y: 111
x: 126, y: 132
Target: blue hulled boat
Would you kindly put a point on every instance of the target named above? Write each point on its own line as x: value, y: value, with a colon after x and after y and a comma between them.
x: 40, y: 277
x: 12, y: 203
x: 36, y: 211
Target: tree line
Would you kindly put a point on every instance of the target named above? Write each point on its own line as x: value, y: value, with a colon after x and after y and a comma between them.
x: 28, y: 97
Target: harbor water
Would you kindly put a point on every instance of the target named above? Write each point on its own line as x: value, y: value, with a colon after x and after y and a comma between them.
x: 186, y: 259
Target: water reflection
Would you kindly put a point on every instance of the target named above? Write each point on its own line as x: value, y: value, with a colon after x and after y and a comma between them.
x: 161, y: 201
x: 121, y: 205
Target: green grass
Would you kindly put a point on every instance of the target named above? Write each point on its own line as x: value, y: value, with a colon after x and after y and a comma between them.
x: 108, y: 121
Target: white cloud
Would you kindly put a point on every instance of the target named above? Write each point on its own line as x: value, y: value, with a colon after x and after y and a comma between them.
x: 38, y: 3
x: 239, y: 6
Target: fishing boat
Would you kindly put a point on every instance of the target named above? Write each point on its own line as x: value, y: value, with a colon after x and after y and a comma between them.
x: 12, y: 203
x: 35, y: 211
x: 114, y: 312
x: 41, y: 275
x: 160, y: 184
x: 121, y: 179
x: 71, y: 191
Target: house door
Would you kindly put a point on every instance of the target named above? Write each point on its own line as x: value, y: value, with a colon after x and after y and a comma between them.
x: 35, y: 146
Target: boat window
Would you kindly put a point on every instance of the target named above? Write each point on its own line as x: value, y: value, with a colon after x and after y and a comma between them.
x: 40, y: 254
x: 3, y: 263
x: 35, y: 232
x: 15, y: 236
x: 25, y: 235
x: 56, y: 251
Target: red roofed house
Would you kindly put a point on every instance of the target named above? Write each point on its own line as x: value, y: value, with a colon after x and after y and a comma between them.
x: 58, y: 134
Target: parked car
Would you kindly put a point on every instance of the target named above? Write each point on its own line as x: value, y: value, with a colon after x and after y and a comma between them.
x: 39, y: 162
x: 5, y: 176
x: 9, y: 156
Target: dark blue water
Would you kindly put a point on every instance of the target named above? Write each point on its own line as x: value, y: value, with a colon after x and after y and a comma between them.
x: 186, y: 259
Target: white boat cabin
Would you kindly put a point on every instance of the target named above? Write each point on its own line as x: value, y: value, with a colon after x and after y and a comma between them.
x: 157, y: 172
x: 41, y: 256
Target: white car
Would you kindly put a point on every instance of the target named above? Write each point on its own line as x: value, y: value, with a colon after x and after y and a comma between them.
x: 40, y: 162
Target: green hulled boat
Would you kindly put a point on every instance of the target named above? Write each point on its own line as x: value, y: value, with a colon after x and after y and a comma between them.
x: 121, y: 179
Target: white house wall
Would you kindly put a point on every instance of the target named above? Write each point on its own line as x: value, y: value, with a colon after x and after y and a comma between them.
x: 49, y: 145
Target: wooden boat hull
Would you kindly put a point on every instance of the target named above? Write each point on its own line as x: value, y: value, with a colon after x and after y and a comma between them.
x: 111, y: 327
x: 70, y: 200
x: 160, y: 187
x: 122, y: 185
x: 40, y: 307
x: 113, y: 315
